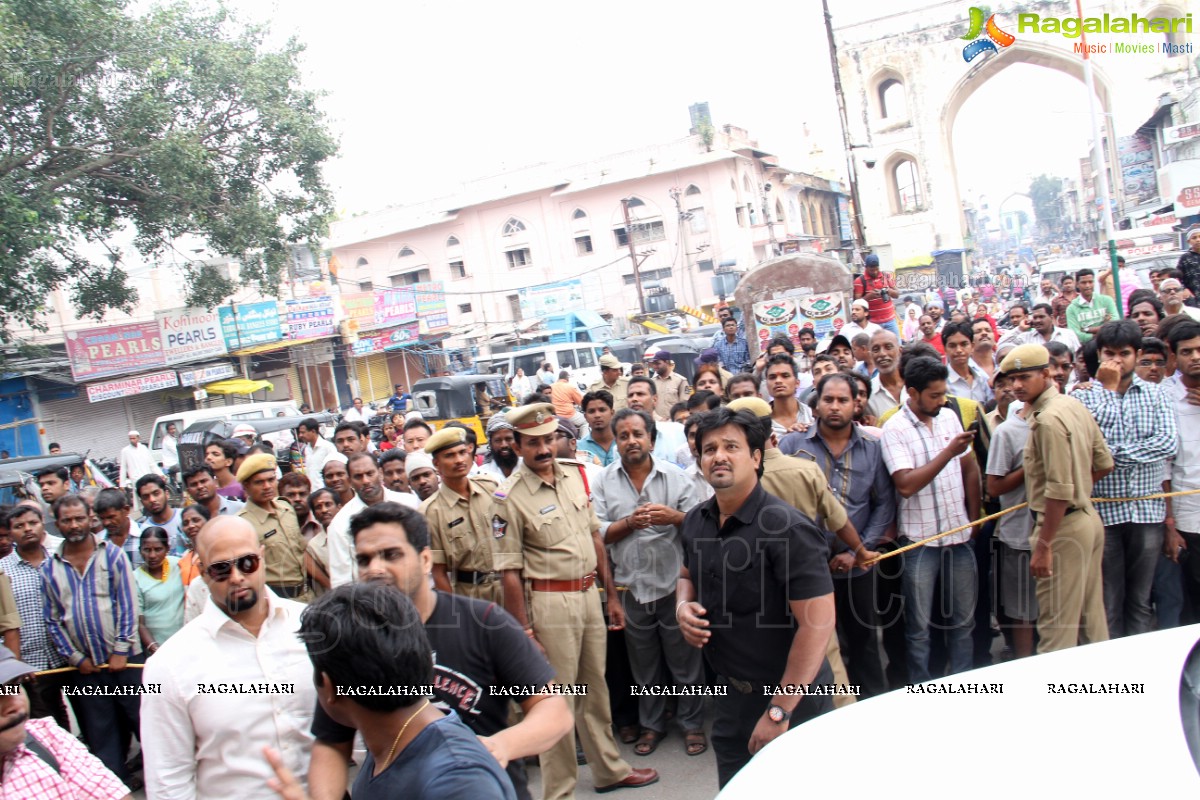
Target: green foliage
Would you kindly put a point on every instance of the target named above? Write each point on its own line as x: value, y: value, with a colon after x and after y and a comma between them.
x: 1044, y: 191
x: 173, y: 122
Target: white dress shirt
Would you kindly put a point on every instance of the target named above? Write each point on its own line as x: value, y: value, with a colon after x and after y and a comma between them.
x: 352, y: 414
x: 136, y: 462
x: 208, y: 746
x: 315, y: 456
x: 342, y: 568
x: 170, y: 452
x: 1032, y: 336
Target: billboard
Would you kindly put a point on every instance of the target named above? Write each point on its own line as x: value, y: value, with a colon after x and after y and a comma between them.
x: 248, y: 324
x: 551, y: 298
x: 310, y: 317
x: 395, y: 306
x: 377, y: 343
x: 431, y: 304
x: 190, y: 333
x: 787, y: 316
x: 127, y: 387
x: 114, y: 350
x: 359, y: 307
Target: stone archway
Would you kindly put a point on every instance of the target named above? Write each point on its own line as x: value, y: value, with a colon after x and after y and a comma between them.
x: 922, y: 49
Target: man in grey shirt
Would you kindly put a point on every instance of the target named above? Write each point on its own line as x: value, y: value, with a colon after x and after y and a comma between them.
x: 640, y: 503
x: 1006, y: 480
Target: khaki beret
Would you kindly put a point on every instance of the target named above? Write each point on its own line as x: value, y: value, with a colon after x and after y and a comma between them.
x: 610, y: 362
x: 535, y: 419
x: 1025, y: 357
x: 259, y: 462
x: 755, y: 405
x: 446, y: 437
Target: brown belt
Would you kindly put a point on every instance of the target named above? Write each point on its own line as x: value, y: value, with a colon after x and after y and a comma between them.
x: 581, y: 585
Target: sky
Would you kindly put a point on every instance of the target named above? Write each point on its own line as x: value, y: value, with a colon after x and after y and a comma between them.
x: 425, y: 95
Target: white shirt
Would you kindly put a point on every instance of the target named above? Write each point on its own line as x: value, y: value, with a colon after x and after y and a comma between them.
x: 978, y: 389
x: 352, y: 414
x: 342, y: 568
x: 170, y: 452
x: 136, y: 462
x: 208, y: 746
x: 315, y: 456
x: 852, y: 329
x: 1184, y: 469
x: 941, y: 505
x: 1031, y: 336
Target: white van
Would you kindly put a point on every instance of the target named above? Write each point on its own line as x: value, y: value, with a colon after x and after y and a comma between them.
x: 182, y: 419
x: 581, y: 359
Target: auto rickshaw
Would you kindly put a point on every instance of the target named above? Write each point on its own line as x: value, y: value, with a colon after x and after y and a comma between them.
x: 469, y: 399
x: 200, y: 435
x: 18, y: 481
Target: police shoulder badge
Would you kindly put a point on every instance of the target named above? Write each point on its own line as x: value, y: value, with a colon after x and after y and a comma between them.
x: 499, y: 527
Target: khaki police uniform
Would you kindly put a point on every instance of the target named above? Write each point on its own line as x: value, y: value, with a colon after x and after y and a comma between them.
x: 278, y: 530
x: 670, y: 390
x: 1065, y: 447
x: 463, y: 539
x: 553, y: 526
x: 618, y: 390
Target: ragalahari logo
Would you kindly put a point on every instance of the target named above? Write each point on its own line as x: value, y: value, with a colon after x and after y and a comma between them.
x: 994, y: 36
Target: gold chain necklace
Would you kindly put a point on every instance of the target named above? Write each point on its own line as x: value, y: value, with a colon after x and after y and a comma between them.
x: 403, y: 728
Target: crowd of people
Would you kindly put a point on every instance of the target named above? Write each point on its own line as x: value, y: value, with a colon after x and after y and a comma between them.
x: 655, y: 553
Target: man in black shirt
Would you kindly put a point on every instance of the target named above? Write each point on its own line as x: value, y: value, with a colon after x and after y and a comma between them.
x: 477, y: 647
x: 752, y: 567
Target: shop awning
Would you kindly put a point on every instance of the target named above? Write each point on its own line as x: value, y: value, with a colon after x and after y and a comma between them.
x: 238, y: 386
x: 270, y: 347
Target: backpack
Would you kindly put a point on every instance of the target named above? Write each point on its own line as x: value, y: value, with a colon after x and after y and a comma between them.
x: 40, y: 750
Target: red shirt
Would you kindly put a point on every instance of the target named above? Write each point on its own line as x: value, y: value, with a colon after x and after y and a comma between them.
x: 936, y: 342
x: 878, y: 310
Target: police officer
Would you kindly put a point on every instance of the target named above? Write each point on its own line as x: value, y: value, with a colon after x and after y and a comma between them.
x: 544, y: 508
x: 278, y: 528
x: 1065, y: 451
x: 468, y: 558
x: 611, y: 381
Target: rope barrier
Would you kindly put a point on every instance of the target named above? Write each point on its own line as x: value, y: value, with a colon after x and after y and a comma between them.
x: 61, y: 670
x: 999, y: 514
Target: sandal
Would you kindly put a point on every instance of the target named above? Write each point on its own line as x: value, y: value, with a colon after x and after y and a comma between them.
x: 647, y: 743
x: 696, y: 742
x: 628, y: 734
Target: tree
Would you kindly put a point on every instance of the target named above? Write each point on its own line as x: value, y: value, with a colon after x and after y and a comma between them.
x: 1044, y: 190
x: 172, y: 122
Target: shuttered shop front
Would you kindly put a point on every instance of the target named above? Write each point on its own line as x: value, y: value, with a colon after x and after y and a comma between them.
x: 374, y: 383
x: 80, y: 426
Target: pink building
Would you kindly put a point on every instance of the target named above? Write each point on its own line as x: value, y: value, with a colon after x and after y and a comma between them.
x: 697, y: 211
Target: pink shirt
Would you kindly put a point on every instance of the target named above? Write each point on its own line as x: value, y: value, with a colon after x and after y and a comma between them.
x: 80, y: 774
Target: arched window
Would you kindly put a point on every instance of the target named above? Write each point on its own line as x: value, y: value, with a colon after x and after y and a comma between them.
x: 893, y: 104
x: 746, y: 184
x: 835, y: 229
x: 635, y: 202
x: 691, y: 190
x: 906, y: 186
x: 512, y: 227
x: 452, y: 242
x: 1161, y: 21
x: 778, y: 211
x: 806, y: 227
x: 406, y: 251
x: 362, y: 262
x: 579, y: 213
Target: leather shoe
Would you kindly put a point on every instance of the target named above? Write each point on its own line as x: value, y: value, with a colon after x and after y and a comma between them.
x: 634, y: 780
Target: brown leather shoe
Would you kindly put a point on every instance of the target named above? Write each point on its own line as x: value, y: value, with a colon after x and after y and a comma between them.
x: 634, y: 780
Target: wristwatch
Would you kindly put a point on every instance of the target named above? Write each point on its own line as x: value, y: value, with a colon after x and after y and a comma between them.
x: 777, y: 713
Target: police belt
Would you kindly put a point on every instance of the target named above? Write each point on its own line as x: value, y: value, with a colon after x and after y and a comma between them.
x: 581, y: 585
x: 291, y: 590
x: 475, y: 578
x: 1037, y: 514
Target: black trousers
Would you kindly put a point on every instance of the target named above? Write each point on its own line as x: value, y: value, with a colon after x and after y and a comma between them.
x: 619, y: 677
x: 46, y: 700
x: 889, y: 599
x: 858, y: 625
x: 108, y: 722
x: 736, y: 714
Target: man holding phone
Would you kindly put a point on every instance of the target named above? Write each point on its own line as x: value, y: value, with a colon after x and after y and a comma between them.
x: 878, y: 289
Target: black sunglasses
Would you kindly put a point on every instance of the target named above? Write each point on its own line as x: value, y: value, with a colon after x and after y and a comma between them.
x: 221, y: 570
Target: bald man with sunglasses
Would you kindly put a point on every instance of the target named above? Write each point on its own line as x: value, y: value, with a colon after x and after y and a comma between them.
x: 234, y: 679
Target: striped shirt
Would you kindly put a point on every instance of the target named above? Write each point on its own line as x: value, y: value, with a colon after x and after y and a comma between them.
x: 908, y: 443
x: 1141, y: 430
x: 36, y: 650
x: 93, y: 613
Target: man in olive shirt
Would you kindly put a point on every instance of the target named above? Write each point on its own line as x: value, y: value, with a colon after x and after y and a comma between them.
x: 468, y: 558
x: 1066, y: 454
x: 544, y: 507
x: 671, y: 387
x: 611, y: 381
x: 277, y: 526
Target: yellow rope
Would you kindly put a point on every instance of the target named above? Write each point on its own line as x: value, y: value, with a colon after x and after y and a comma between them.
x: 998, y: 514
x: 76, y: 669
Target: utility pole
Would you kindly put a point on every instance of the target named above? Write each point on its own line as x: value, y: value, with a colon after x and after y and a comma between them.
x: 683, y: 217
x: 637, y: 274
x: 851, y: 172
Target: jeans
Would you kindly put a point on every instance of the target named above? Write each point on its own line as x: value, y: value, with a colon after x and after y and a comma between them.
x: 955, y: 565
x: 1131, y: 551
x: 1167, y: 593
x: 890, y: 325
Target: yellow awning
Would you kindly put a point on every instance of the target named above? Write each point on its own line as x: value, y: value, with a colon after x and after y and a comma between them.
x: 237, y: 386
x: 914, y: 261
x: 271, y: 347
